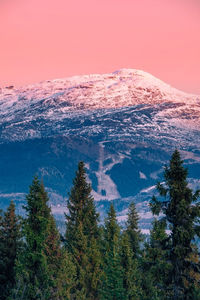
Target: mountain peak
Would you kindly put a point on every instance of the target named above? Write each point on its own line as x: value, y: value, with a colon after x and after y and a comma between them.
x: 121, y: 88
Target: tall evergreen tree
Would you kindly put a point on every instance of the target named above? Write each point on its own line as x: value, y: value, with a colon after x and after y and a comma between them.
x: 61, y: 270
x: 44, y: 269
x: 32, y: 269
x: 81, y: 208
x: 156, y: 266
x: 131, y: 271
x: 10, y: 244
x: 133, y: 231
x: 182, y: 212
x: 82, y: 237
x: 130, y: 254
x: 112, y: 282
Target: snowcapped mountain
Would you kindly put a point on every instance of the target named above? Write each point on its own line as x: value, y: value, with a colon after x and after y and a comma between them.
x: 65, y: 99
x: 124, y: 125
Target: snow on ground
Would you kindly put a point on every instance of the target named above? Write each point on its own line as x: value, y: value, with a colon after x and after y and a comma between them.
x: 145, y: 215
x: 59, y: 209
x: 122, y: 88
x: 106, y: 189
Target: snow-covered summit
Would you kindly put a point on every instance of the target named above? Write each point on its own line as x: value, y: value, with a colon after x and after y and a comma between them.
x: 26, y: 111
x: 125, y: 87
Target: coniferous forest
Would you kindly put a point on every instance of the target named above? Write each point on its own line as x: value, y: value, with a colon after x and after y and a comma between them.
x: 97, y: 261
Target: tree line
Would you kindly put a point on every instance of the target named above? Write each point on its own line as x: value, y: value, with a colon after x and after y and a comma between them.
x: 103, y: 262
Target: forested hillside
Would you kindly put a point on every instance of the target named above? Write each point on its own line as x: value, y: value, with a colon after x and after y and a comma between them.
x: 95, y: 261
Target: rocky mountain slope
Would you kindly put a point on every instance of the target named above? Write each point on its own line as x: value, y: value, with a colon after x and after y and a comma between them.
x: 124, y: 125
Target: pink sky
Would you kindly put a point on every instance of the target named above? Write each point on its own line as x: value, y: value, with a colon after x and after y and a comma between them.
x: 46, y: 39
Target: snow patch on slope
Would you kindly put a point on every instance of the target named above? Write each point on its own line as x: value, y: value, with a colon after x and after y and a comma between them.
x: 107, y: 189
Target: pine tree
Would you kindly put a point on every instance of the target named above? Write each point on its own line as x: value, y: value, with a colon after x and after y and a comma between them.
x: 133, y: 231
x: 32, y: 275
x: 155, y: 262
x: 44, y: 268
x: 82, y: 237
x: 130, y: 254
x: 112, y: 281
x: 131, y: 272
x: 95, y: 268
x: 10, y: 244
x: 81, y: 208
x: 60, y: 267
x: 182, y: 213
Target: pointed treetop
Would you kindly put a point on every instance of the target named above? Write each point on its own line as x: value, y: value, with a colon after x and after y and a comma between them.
x: 133, y: 218
x: 132, y: 229
x: 176, y: 171
x: 112, y: 212
x: 112, y: 229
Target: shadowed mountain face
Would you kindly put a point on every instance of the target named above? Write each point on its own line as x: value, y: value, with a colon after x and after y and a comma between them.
x: 124, y: 125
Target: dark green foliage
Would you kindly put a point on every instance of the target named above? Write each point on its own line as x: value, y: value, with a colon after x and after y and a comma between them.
x: 95, y: 268
x: 182, y: 213
x: 131, y: 271
x: 33, y: 277
x: 112, y: 281
x: 45, y: 269
x: 101, y: 263
x: 156, y: 266
x: 81, y: 208
x: 10, y: 244
x: 133, y: 231
x: 82, y: 237
x: 61, y: 270
x: 130, y: 255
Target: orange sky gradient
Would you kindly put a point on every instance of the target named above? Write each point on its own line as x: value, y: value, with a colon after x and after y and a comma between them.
x: 47, y: 39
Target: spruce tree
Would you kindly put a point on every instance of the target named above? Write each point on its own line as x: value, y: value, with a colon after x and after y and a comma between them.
x: 155, y: 262
x: 10, y: 245
x: 32, y: 276
x: 82, y: 237
x: 112, y: 280
x: 81, y: 208
x: 133, y: 231
x: 130, y: 254
x: 44, y: 268
x: 131, y: 271
x: 182, y: 212
x: 60, y: 267
x: 95, y: 268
